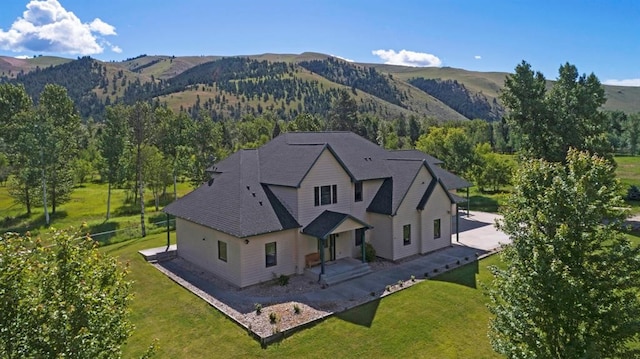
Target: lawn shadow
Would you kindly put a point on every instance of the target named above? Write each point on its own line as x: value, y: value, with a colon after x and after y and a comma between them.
x: 483, y: 203
x: 24, y: 223
x: 362, y: 315
x: 104, y: 231
x: 465, y: 275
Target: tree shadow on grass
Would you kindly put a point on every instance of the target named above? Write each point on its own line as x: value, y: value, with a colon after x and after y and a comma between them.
x: 104, y: 231
x: 465, y: 275
x: 482, y: 203
x: 24, y: 222
x: 361, y: 315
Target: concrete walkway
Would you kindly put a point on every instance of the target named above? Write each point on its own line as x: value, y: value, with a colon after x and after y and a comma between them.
x: 478, y: 237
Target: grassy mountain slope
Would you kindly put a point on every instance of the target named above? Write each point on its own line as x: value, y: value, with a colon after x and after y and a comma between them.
x: 306, y: 82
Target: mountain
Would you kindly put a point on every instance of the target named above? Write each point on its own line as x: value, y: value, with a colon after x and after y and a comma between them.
x: 283, y: 84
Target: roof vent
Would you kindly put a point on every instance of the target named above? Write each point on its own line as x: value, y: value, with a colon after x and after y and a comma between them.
x: 253, y: 194
x: 248, y: 188
x: 210, y: 182
x: 260, y: 202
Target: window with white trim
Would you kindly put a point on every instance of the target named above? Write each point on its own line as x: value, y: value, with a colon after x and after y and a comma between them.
x: 406, y: 234
x: 324, y: 195
x: 222, y: 251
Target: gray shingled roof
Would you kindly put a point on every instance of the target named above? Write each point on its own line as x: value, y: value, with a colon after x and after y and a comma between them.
x: 239, y: 201
x: 235, y: 203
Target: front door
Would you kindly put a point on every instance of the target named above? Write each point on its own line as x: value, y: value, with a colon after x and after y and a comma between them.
x: 329, y: 248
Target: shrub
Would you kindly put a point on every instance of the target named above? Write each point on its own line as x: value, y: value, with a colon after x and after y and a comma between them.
x: 369, y: 252
x: 413, y: 278
x: 283, y: 280
x: 388, y: 288
x: 296, y: 309
x: 273, y: 317
x: 633, y: 193
x: 258, y: 308
x: 400, y: 282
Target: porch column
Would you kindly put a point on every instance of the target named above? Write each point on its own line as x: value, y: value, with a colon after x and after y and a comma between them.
x: 457, y: 224
x: 168, y: 233
x: 364, y: 260
x: 468, y: 202
x: 321, y: 255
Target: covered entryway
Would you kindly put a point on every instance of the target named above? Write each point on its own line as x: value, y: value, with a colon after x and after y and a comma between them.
x: 327, y: 229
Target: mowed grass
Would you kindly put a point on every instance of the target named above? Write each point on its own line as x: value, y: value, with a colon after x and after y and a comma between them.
x: 88, y: 205
x: 441, y: 318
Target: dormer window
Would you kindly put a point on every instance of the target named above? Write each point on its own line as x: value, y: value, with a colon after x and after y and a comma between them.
x: 323, y: 195
x: 357, y: 191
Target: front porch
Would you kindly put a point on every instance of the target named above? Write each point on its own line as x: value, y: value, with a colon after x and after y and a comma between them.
x: 338, y: 271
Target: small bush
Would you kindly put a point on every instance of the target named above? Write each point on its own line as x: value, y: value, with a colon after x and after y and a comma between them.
x: 258, y: 308
x: 435, y: 270
x: 446, y: 266
x: 296, y: 309
x: 273, y: 317
x: 413, y: 278
x: 400, y: 282
x: 633, y: 193
x: 388, y: 288
x: 369, y: 252
x: 283, y: 280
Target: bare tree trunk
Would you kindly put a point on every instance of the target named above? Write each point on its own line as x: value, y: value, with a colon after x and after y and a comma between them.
x: 175, y: 186
x: 44, y: 196
x: 141, y: 184
x: 109, y: 201
x: 27, y: 198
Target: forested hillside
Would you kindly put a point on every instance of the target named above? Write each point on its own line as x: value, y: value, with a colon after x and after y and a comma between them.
x: 282, y: 85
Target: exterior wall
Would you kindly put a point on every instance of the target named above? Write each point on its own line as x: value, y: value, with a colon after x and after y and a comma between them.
x: 344, y: 244
x: 381, y: 234
x: 199, y: 245
x: 369, y: 190
x: 289, y: 198
x: 408, y: 214
x: 306, y: 245
x: 436, y: 208
x: 326, y: 171
x: 253, y: 265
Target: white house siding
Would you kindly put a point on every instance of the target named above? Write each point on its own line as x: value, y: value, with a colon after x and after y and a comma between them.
x: 436, y: 208
x: 253, y: 265
x: 288, y: 196
x: 325, y: 172
x: 380, y: 237
x: 306, y: 245
x: 369, y: 190
x: 199, y: 245
x: 344, y: 244
x: 408, y: 214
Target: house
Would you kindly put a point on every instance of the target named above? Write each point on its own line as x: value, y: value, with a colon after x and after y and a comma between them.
x: 308, y: 198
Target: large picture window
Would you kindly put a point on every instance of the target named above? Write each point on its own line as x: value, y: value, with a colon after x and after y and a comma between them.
x: 222, y: 251
x: 436, y: 228
x: 323, y: 195
x: 271, y: 255
x: 406, y: 234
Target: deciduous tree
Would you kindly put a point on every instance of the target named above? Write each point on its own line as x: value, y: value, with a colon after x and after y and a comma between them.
x: 113, y: 142
x: 64, y: 300
x: 570, y: 286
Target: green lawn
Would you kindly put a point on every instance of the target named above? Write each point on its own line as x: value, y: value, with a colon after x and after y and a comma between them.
x: 441, y: 318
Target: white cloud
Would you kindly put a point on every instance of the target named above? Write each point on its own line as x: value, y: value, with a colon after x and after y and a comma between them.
x: 408, y: 58
x: 48, y: 27
x: 102, y: 27
x: 626, y: 82
x: 342, y: 58
x: 478, y: 57
x: 22, y: 57
x: 116, y: 49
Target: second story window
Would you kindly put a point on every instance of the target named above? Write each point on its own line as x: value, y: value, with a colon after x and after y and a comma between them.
x: 323, y: 195
x: 357, y: 191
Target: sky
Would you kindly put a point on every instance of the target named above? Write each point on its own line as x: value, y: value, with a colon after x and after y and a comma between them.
x: 599, y: 36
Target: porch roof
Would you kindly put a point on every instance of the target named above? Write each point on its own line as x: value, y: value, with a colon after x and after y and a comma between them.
x: 329, y: 222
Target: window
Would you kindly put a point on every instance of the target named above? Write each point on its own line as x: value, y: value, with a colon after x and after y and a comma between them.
x: 406, y: 234
x: 270, y: 257
x: 324, y: 195
x: 222, y: 251
x: 357, y: 191
x: 359, y: 236
x: 436, y: 228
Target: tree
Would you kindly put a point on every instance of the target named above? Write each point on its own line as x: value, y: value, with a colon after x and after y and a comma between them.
x: 155, y: 172
x: 17, y: 132
x: 174, y: 142
x: 570, y: 286
x: 113, y: 143
x: 343, y: 113
x: 58, y: 128
x: 547, y: 124
x: 632, y: 129
x: 61, y: 300
x: 451, y: 145
x: 490, y: 170
x: 141, y: 122
x: 304, y: 122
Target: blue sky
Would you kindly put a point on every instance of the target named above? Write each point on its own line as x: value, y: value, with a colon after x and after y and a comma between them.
x: 602, y: 37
